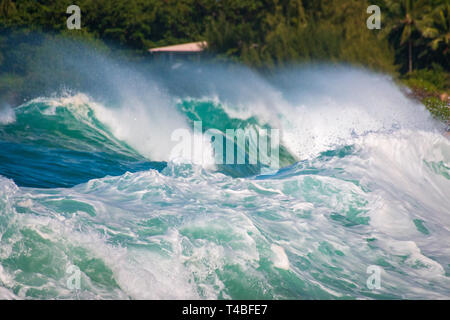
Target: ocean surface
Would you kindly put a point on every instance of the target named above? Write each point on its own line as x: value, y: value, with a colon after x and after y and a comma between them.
x: 364, y: 180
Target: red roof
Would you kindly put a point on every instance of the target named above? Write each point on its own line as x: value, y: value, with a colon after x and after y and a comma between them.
x: 186, y: 47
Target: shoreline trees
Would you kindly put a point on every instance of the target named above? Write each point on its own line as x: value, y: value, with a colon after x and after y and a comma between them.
x: 262, y: 34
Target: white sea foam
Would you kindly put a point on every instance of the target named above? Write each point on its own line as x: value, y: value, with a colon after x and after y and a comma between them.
x: 309, y: 231
x: 7, y: 115
x: 186, y: 227
x: 280, y: 258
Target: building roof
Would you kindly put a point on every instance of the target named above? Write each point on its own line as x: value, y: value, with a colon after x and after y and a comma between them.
x: 186, y: 47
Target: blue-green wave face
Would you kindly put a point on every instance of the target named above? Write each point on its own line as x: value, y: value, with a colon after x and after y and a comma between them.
x: 57, y: 145
x: 91, y: 184
x: 70, y: 145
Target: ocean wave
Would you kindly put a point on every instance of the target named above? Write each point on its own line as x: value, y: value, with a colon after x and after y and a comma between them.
x: 299, y: 234
x: 363, y: 182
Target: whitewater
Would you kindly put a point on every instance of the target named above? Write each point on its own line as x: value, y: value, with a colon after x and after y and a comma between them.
x: 88, y: 180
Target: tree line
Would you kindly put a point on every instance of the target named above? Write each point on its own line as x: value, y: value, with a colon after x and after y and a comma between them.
x: 413, y: 41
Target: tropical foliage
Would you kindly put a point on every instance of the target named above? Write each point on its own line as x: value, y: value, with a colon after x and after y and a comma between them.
x: 263, y: 33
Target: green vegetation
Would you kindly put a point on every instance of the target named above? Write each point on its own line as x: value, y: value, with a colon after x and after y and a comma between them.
x: 431, y: 86
x: 412, y: 45
x: 281, y: 31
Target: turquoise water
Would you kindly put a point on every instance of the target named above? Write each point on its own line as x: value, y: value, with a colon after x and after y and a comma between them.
x: 364, y: 180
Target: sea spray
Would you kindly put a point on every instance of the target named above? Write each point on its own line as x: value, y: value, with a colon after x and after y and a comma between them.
x: 363, y: 182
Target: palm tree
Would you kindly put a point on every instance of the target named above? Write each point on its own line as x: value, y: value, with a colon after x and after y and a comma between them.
x: 7, y: 8
x: 406, y: 16
x: 436, y: 28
